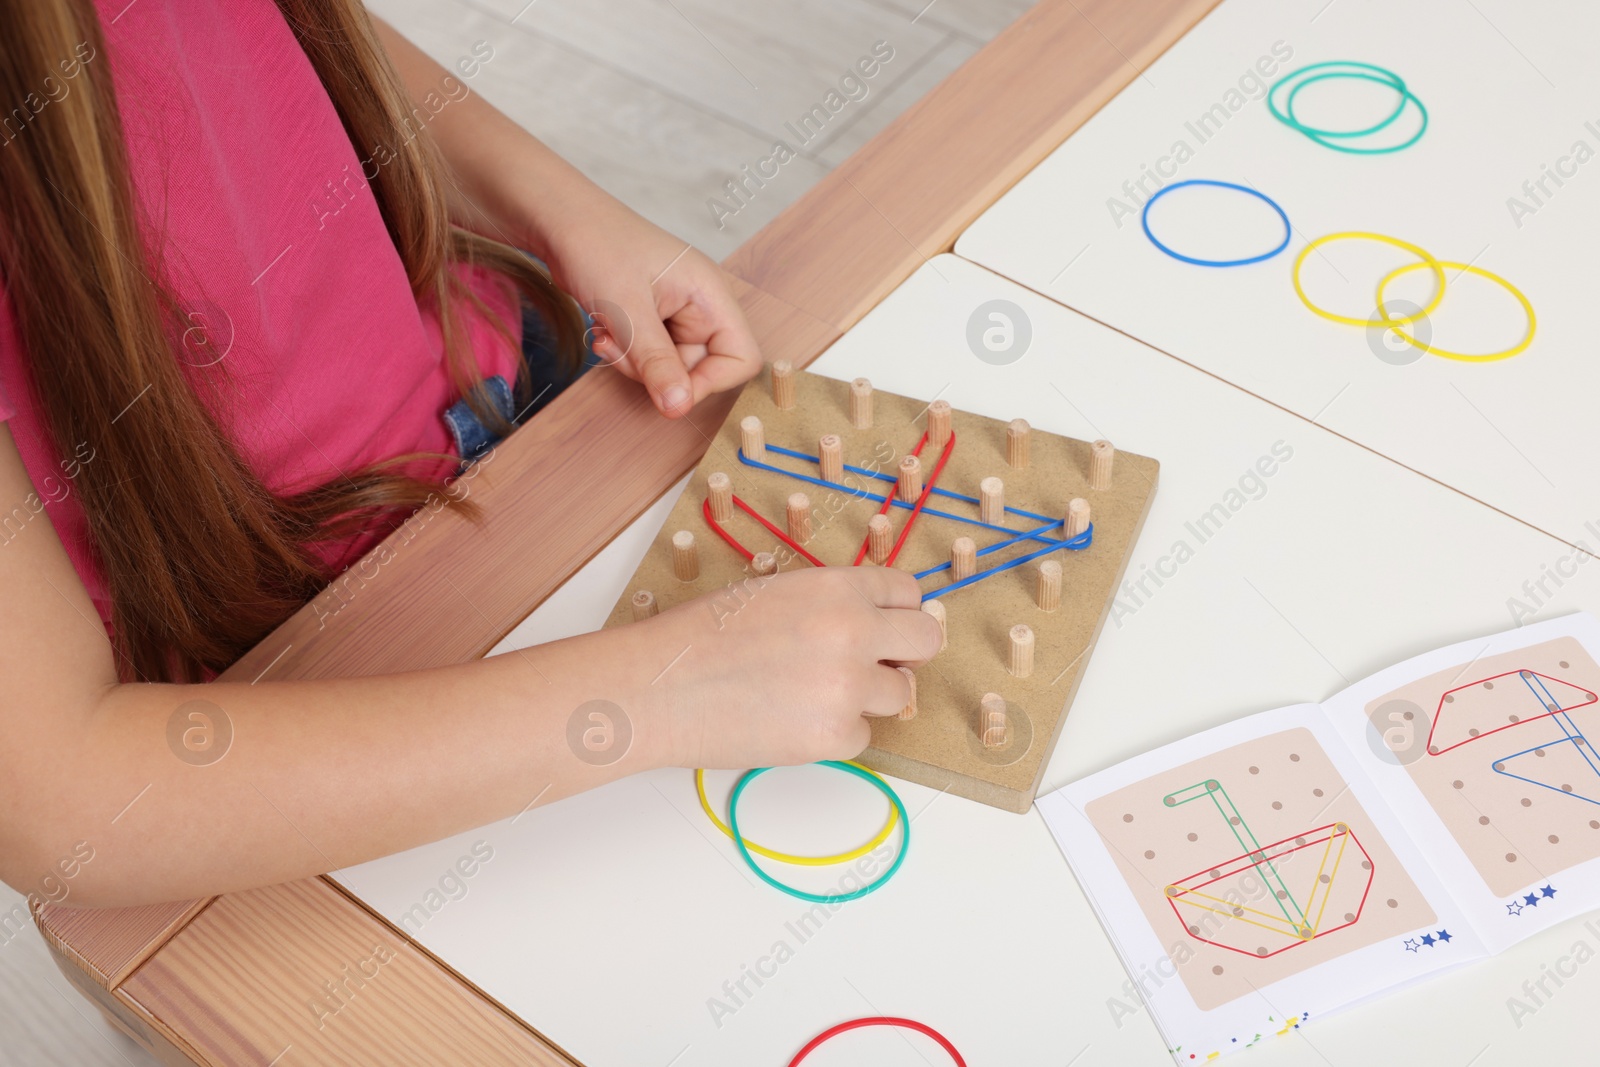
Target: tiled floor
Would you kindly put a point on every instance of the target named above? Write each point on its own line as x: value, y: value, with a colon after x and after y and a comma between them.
x: 661, y: 102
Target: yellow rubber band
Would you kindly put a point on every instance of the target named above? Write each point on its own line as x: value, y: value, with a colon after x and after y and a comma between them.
x: 1399, y: 320
x: 784, y: 857
x: 1464, y: 357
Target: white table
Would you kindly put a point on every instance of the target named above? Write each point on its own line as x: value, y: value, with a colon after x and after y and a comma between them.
x: 610, y: 919
x: 1509, y: 89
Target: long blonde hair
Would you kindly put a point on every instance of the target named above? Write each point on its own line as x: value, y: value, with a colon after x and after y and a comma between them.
x: 200, y: 559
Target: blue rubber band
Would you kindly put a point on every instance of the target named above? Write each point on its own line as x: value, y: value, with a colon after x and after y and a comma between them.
x: 1029, y: 535
x: 1080, y: 542
x: 1144, y: 221
x: 937, y: 491
x: 862, y: 494
x: 823, y: 898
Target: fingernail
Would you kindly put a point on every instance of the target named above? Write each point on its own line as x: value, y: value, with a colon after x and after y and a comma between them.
x: 675, y: 398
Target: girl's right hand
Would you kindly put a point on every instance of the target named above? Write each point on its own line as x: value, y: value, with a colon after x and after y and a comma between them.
x: 784, y: 670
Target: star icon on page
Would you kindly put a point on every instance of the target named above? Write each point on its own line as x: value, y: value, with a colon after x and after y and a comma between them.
x: 1514, y: 908
x: 1411, y: 944
x: 1532, y: 900
x: 1428, y: 939
x: 1547, y: 892
x: 1444, y: 935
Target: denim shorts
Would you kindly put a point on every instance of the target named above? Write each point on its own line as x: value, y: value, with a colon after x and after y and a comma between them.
x: 542, y: 381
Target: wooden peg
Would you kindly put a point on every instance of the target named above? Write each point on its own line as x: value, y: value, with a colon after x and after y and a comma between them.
x: 644, y: 605
x: 992, y: 720
x: 830, y: 458
x: 880, y: 538
x: 910, y: 710
x: 720, y: 493
x: 963, y: 558
x: 939, y: 423
x: 936, y: 609
x: 1077, y: 516
x: 910, y: 484
x: 1101, y: 456
x: 1017, y: 434
x: 752, y: 439
x: 1021, y: 650
x: 685, y: 556
x: 764, y: 564
x: 861, y: 404
x: 799, y: 515
x: 1047, y: 590
x: 992, y: 501
x: 783, y: 385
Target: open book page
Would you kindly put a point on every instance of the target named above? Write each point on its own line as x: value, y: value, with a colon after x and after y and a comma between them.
x: 1252, y: 879
x: 1485, y: 751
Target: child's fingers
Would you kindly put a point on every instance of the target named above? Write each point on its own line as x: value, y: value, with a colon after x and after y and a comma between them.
x: 655, y: 358
x: 719, y: 372
x: 889, y: 692
x: 910, y: 636
x: 886, y: 587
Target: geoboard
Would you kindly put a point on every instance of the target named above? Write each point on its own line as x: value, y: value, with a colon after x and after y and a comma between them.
x: 1295, y: 862
x: 951, y: 742
x: 1502, y: 180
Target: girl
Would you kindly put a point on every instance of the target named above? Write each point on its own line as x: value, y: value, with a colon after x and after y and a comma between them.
x: 254, y: 252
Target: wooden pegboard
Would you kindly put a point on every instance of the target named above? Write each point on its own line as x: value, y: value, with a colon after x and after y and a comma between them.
x: 940, y: 747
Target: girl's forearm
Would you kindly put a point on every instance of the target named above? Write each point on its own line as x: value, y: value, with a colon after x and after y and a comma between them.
x: 258, y: 784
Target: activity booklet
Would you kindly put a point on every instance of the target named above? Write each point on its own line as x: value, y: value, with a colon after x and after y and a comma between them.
x: 1294, y: 862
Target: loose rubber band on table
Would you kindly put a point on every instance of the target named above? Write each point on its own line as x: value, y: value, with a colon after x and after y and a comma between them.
x: 1465, y: 268
x: 1144, y: 221
x: 822, y: 898
x: 785, y: 857
x: 1331, y: 138
x: 879, y: 1020
x: 1392, y: 321
x: 1406, y: 96
x: 1289, y: 79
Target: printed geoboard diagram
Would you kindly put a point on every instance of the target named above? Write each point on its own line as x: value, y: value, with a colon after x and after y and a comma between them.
x: 1298, y: 896
x: 1256, y: 863
x: 1502, y: 749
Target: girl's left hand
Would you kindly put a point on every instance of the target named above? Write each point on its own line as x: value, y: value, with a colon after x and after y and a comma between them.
x: 663, y: 314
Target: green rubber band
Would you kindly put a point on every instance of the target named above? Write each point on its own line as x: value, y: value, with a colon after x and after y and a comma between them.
x: 1406, y: 96
x: 823, y: 898
x: 1288, y: 79
x: 1345, y: 68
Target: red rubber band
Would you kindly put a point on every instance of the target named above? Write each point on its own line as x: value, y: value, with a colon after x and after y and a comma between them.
x: 879, y: 1020
x: 753, y: 513
x: 933, y: 480
x: 888, y: 501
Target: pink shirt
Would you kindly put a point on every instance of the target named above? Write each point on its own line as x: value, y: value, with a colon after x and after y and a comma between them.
x: 270, y: 234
